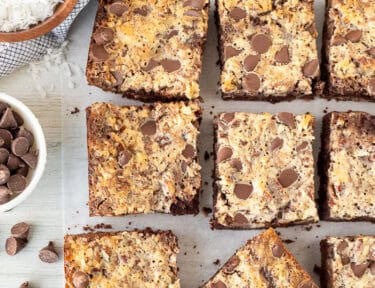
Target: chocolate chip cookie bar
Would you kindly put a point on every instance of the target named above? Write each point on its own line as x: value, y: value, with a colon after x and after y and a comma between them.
x: 143, y: 159
x: 347, y: 167
x: 264, y: 170
x: 349, y: 50
x: 149, y: 50
x: 122, y: 259
x: 348, y: 262
x: 267, y: 49
x: 263, y: 261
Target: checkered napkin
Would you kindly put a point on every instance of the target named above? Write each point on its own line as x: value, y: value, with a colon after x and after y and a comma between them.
x: 14, y: 55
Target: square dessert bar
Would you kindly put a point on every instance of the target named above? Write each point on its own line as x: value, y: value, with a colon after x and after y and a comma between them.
x: 348, y: 262
x: 264, y: 170
x: 263, y: 261
x: 122, y: 259
x: 347, y: 167
x: 148, y: 50
x: 349, y: 50
x: 267, y: 49
x: 143, y: 159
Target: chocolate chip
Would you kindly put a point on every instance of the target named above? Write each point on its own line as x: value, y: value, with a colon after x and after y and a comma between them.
x: 227, y: 117
x: 251, y: 82
x: 99, y: 53
x: 143, y: 11
x: 4, y: 154
x: 276, y: 143
x: 342, y: 246
x: 7, y: 137
x: 311, y: 68
x: 277, y: 250
x: 148, y: 128
x: 240, y: 219
x: 261, y: 43
x: 345, y: 260
x: 103, y: 35
x: 4, y: 174
x: 189, y: 151
x: 119, y: 77
x: 193, y: 13
x: 17, y: 183
x: 287, y: 177
x: 48, y: 254
x: 243, y: 191
x: 218, y: 284
x: 20, y: 230
x: 25, y: 285
x: 236, y: 164
x: 231, y: 265
x: 14, y: 245
x: 371, y: 51
x: 230, y: 51
x: 354, y: 36
x: 250, y: 62
x: 23, y: 171
x: 80, y: 280
x: 282, y: 56
x: 123, y: 158
x: 151, y: 65
x: 8, y: 121
x: 338, y: 40
x: 20, y: 146
x: 31, y: 159
x: 118, y: 8
x: 223, y: 154
x: 23, y: 132
x: 237, y: 13
x: 170, y: 65
x: 287, y: 118
x: 171, y: 34
x: 372, y: 268
x: 3, y: 107
x: 197, y: 4
x: 14, y: 162
x: 312, y: 30
x: 18, y: 118
x: 5, y: 195
x: 302, y: 146
x: 359, y: 269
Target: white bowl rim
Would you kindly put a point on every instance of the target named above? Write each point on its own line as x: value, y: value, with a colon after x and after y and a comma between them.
x: 40, y: 140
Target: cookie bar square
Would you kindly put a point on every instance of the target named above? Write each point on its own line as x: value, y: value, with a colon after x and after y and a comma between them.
x: 348, y: 262
x: 264, y: 170
x: 347, y: 167
x: 148, y: 50
x: 349, y: 50
x: 263, y: 261
x: 122, y: 259
x: 143, y: 159
x: 267, y: 49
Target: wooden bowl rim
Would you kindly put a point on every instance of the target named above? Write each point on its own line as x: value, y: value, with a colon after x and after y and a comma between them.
x: 61, y: 13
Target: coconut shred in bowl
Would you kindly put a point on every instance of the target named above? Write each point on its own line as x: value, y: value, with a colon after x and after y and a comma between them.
x: 18, y: 15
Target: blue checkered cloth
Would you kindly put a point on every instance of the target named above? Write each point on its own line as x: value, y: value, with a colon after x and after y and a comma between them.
x: 15, y: 55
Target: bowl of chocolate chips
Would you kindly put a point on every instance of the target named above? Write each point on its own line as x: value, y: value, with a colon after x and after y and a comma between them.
x: 23, y: 152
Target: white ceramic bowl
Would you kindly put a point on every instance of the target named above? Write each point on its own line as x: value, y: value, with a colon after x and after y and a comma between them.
x: 32, y: 124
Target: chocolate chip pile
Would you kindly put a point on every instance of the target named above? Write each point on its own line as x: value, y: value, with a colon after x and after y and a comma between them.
x: 16, y: 153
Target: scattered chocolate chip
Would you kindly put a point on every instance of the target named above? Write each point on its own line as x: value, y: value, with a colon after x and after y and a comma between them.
x: 287, y: 177
x: 118, y: 8
x: 231, y: 265
x: 80, y: 280
x: 151, y: 65
x: 237, y: 13
x: 310, y: 68
x: 287, y: 118
x: 99, y: 53
x: 240, y: 219
x: 189, y: 151
x: 193, y: 13
x: 4, y: 174
x: 216, y: 262
x: 312, y: 30
x: 14, y: 245
x: 250, y: 62
x: 17, y: 183
x: 5, y: 195
x: 103, y: 35
x: 243, y: 191
x: 170, y: 65
x: 282, y: 56
x: 8, y: 121
x: 48, y: 254
x: 236, y: 164
x: 359, y: 269
x: 143, y: 11
x: 20, y: 146
x: 25, y: 285
x: 31, y: 159
x: 251, y: 82
x: 148, y: 128
x: 261, y: 43
x: 354, y: 36
x: 277, y: 250
x: 371, y: 51
x: 227, y: 117
x: 276, y: 143
x: 230, y: 51
x: 4, y: 154
x: 372, y: 268
x: 342, y: 246
x: 14, y: 162
x: 75, y: 110
x: 124, y: 157
x: 219, y: 284
x: 223, y: 154
x: 7, y: 137
x: 196, y: 4
x: 23, y: 132
x: 302, y: 146
x: 171, y: 34
x: 20, y: 230
x: 338, y: 40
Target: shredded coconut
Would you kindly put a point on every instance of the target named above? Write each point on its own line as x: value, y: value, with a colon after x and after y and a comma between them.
x: 21, y: 14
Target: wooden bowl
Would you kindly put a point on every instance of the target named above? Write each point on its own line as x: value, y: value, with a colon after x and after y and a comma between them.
x: 61, y: 12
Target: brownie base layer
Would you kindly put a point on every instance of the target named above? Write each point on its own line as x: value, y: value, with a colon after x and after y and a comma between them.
x: 324, y: 274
